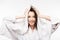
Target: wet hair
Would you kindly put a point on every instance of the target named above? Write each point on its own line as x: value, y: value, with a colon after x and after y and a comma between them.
x: 32, y: 9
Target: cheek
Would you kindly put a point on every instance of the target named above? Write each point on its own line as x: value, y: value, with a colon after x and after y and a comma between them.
x: 31, y: 19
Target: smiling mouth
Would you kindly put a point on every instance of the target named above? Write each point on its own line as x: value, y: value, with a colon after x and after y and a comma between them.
x: 31, y: 21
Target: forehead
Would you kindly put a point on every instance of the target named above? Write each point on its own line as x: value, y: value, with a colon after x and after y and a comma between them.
x: 31, y: 13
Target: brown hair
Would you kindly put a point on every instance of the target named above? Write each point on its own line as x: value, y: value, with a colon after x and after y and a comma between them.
x: 32, y: 9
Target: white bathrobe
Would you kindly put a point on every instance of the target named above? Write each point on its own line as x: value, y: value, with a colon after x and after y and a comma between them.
x: 4, y: 38
x: 17, y: 29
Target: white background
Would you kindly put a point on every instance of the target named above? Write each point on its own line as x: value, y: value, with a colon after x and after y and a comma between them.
x: 12, y: 8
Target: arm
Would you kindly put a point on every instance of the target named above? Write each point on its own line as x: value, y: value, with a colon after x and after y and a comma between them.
x: 54, y: 27
x: 42, y: 16
x: 38, y: 13
x: 25, y: 14
x: 55, y: 24
x: 45, y: 17
x: 18, y: 17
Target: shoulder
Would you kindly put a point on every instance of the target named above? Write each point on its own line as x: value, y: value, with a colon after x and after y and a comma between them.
x: 45, y: 24
x: 45, y: 21
x: 12, y: 20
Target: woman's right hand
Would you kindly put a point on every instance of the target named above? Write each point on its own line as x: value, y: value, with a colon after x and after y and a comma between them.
x: 25, y: 14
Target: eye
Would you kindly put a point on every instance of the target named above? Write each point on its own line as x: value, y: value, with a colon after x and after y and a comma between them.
x: 28, y: 16
x: 34, y: 16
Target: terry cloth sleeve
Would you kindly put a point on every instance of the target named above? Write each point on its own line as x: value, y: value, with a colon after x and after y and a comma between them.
x: 6, y: 28
x: 13, y: 27
x: 55, y: 24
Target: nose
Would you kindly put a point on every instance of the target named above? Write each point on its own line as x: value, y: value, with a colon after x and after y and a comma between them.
x: 31, y: 19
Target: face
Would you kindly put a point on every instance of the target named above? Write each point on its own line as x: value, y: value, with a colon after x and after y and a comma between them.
x: 31, y: 18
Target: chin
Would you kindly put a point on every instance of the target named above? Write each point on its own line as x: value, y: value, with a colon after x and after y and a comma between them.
x: 31, y: 23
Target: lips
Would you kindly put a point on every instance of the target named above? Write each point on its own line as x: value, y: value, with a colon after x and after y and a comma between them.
x: 31, y: 21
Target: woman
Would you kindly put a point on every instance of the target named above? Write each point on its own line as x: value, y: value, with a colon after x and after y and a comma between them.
x: 30, y: 27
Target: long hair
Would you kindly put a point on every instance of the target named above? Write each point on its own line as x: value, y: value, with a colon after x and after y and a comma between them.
x: 32, y: 9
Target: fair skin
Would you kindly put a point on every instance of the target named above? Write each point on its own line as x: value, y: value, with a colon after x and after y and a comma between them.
x: 41, y: 16
x: 31, y: 14
x: 31, y: 19
x: 38, y: 13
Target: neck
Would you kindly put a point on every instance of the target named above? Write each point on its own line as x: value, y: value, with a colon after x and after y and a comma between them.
x: 32, y: 27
